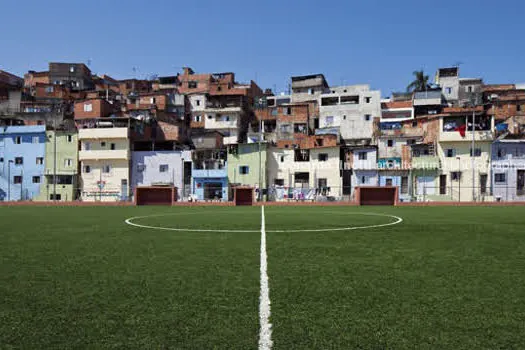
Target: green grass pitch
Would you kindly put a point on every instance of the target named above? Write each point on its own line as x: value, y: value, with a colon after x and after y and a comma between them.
x: 444, y: 278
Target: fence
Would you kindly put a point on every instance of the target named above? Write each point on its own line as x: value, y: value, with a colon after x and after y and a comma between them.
x: 218, y: 192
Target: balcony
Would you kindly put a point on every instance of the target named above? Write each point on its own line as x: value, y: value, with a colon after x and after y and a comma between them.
x: 482, y: 135
x: 399, y: 129
x: 209, y: 168
x: 104, y: 155
x: 426, y: 162
x: 427, y: 98
x: 103, y: 133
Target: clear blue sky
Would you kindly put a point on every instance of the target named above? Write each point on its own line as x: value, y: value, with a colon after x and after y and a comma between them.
x: 351, y: 42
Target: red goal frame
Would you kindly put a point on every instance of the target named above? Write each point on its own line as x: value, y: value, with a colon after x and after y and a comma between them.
x: 243, y: 195
x: 155, y: 195
x: 376, y: 195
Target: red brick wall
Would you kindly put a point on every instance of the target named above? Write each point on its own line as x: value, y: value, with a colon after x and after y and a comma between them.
x: 100, y: 108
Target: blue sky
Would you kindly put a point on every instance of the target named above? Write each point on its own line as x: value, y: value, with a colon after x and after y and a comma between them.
x: 351, y: 42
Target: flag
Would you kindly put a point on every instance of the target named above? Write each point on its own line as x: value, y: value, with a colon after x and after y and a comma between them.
x: 461, y: 129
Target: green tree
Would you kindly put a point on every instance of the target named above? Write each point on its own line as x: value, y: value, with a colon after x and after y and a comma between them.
x: 420, y: 82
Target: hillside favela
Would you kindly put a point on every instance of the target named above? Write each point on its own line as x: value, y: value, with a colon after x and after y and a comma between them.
x: 68, y: 134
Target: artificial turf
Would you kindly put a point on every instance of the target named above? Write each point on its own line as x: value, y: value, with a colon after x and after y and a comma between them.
x: 444, y: 278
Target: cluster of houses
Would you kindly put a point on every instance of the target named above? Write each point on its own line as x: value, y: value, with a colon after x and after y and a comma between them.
x: 68, y: 134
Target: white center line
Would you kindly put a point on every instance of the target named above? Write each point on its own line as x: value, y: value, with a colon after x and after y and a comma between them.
x: 265, y: 334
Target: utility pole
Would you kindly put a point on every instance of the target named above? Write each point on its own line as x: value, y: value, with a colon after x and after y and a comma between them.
x: 55, y: 157
x: 9, y: 180
x: 260, y: 184
x: 472, y: 154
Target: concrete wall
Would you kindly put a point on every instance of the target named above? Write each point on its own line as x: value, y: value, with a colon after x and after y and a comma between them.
x: 281, y: 165
x: 145, y: 168
x: 507, y: 158
x: 32, y: 146
x: 66, y: 165
x: 248, y: 155
x: 351, y: 117
x: 463, y: 188
x: 113, y: 189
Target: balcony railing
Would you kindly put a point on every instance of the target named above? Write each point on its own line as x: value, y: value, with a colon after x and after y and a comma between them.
x: 103, y: 154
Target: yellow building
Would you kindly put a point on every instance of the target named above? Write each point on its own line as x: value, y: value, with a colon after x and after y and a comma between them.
x: 104, y: 157
x: 464, y: 177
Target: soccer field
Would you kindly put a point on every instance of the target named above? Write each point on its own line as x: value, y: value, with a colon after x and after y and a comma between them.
x: 189, y: 277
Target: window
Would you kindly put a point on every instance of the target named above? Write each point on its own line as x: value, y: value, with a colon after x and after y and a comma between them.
x: 141, y: 168
x: 414, y: 124
x: 520, y: 182
x: 210, y: 116
x: 87, y: 146
x: 477, y: 152
x: 72, y: 69
x: 450, y: 152
x: 367, y: 99
x: 411, y: 142
x: 468, y: 88
x: 19, y: 160
x: 106, y: 169
x: 302, y: 155
x: 404, y: 184
x: 390, y: 143
x: 197, y: 102
x: 518, y: 108
x: 329, y: 120
x: 88, y: 107
x: 227, y: 118
x: 68, y: 162
x: 57, y: 197
x: 448, y: 90
x: 364, y: 180
x: 87, y: 169
x: 17, y: 179
x: 36, y: 179
x: 112, y: 146
x: 197, y: 118
x: 39, y: 160
x: 244, y: 170
x: 501, y: 152
x: 388, y: 182
x: 500, y: 177
x: 1, y: 159
x: 287, y: 110
x: 323, y: 157
x: 344, y: 117
x: 278, y: 182
x: 163, y: 168
x: 34, y: 139
x: 274, y: 111
x: 455, y: 175
x: 362, y: 155
x: 301, y: 180
x: 49, y: 89
x: 322, y: 183
x: 152, y: 100
x: 192, y: 84
x: 282, y: 159
x: 367, y: 117
x: 69, y: 138
x: 18, y: 140
x: 311, y: 91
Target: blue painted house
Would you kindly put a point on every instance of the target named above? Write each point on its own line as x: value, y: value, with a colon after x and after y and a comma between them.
x: 210, y: 181
x: 22, y: 155
x: 508, y: 169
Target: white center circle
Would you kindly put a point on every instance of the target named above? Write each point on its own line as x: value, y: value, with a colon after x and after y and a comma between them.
x: 130, y: 221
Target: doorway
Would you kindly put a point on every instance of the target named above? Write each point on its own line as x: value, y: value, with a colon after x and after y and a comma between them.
x: 443, y: 184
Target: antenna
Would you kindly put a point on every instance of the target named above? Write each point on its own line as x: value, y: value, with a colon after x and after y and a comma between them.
x: 457, y: 64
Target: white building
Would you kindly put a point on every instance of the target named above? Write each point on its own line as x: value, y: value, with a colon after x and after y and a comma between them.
x: 351, y: 108
x: 151, y: 168
x: 312, y: 171
x: 104, y: 157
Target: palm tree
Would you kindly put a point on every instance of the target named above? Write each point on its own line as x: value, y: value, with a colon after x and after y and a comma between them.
x: 420, y: 82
